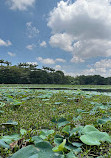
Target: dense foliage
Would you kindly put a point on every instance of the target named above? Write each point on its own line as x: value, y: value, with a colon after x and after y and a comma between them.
x: 25, y: 73
x: 54, y: 124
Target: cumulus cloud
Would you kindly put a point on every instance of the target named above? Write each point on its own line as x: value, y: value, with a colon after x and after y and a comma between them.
x: 50, y: 61
x: 46, y: 61
x: 11, y: 54
x: 43, y: 44
x: 5, y: 43
x: 30, y: 46
x: 20, y: 4
x: 60, y: 60
x: 84, y: 28
x: 57, y: 67
x: 32, y: 31
x: 102, y: 67
x: 63, y: 41
x: 32, y: 63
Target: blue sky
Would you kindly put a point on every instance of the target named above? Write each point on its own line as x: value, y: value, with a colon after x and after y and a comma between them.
x: 72, y: 36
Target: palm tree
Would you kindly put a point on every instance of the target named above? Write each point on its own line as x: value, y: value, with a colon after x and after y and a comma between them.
x: 1, y: 61
x: 8, y: 63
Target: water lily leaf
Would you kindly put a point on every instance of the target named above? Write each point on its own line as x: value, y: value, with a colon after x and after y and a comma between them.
x: 26, y: 152
x: 9, y: 139
x: 10, y: 123
x: 95, y: 137
x: 89, y: 128
x: 60, y: 147
x: 103, y: 120
x: 66, y: 129
x: 45, y: 99
x: 77, y: 118
x: 89, y: 140
x: 45, y: 133
x: 62, y: 122
x: 37, y: 139
x: 45, y: 150
x: 77, y: 144
x: 34, y: 156
x: 1, y: 112
x: 70, y: 155
x: 58, y: 103
x: 23, y: 131
x: 58, y: 139
x: 76, y: 130
x: 2, y: 104
x: 3, y: 144
x: 81, y: 111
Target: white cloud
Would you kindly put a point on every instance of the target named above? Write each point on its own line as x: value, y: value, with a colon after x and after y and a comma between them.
x: 102, y: 67
x: 20, y: 4
x: 50, y: 61
x: 30, y: 46
x: 43, y: 44
x: 76, y: 59
x: 33, y: 63
x: 57, y: 67
x: 5, y: 43
x: 105, y: 63
x: 46, y: 61
x: 11, y: 54
x: 82, y: 27
x: 32, y: 31
x: 60, y: 60
x: 63, y: 41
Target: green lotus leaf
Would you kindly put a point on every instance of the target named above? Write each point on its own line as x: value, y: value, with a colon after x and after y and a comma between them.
x: 3, y: 144
x: 95, y: 137
x: 89, y: 128
x: 70, y: 155
x: 9, y: 139
x: 60, y: 147
x: 23, y: 131
x: 45, y: 133
x: 66, y: 129
x: 26, y: 152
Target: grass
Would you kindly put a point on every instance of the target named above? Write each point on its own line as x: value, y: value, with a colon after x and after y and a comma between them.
x: 35, y: 110
x: 55, y: 86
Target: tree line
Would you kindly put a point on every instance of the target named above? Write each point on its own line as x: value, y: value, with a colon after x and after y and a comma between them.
x: 27, y: 73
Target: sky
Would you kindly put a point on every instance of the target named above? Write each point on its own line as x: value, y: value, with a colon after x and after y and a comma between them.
x: 73, y: 36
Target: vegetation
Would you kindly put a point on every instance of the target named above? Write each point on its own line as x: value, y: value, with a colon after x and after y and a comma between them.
x: 55, y: 124
x: 25, y: 73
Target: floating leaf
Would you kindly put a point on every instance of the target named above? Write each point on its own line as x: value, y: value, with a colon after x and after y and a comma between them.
x: 3, y: 144
x: 76, y: 130
x: 45, y: 150
x: 62, y: 122
x: 1, y: 112
x: 77, y: 144
x: 66, y: 129
x: 81, y: 111
x: 104, y: 120
x: 95, y: 137
x: 60, y: 147
x: 10, y: 124
x: 70, y: 155
x: 58, y: 139
x: 26, y: 152
x: 45, y: 133
x: 9, y: 139
x: 37, y: 139
x: 23, y: 131
x: 77, y: 118
x: 58, y: 103
x: 2, y: 104
x: 89, y: 128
